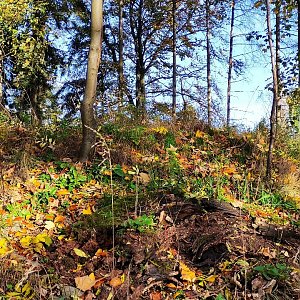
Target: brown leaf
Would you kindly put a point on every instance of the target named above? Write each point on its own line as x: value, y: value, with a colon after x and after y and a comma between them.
x: 155, y: 296
x: 116, y: 281
x: 85, y: 283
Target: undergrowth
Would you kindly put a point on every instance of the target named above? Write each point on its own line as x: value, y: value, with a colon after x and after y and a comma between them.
x: 147, y: 162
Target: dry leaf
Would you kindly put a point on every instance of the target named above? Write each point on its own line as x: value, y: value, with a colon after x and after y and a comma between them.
x: 116, y: 281
x: 87, y: 211
x: 85, y: 283
x: 62, y: 192
x: 101, y: 253
x: 186, y: 273
x: 49, y: 225
x: 268, y: 253
x: 155, y: 296
x: 144, y: 178
x: 171, y: 286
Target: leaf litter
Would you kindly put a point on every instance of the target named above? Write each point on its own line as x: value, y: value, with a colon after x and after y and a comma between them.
x: 56, y: 237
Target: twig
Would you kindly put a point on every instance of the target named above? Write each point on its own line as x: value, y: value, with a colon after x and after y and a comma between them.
x: 296, y: 256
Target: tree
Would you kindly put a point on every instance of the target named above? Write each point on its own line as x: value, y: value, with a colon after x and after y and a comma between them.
x: 174, y: 54
x: 230, y: 62
x: 208, y: 61
x: 30, y: 58
x: 275, y: 90
x: 94, y: 58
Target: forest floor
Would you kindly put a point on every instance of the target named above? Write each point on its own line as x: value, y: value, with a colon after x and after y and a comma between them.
x: 160, y: 214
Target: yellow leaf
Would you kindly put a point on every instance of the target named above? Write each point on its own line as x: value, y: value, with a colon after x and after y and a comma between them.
x: 49, y: 225
x: 116, y: 281
x: 84, y: 283
x: 25, y: 241
x: 62, y: 192
x: 78, y: 268
x: 171, y: 286
x: 92, y: 276
x: 87, y: 211
x: 80, y: 253
x: 200, y: 134
x: 38, y: 247
x: 186, y: 273
x: 101, y: 253
x: 211, y: 278
x: 110, y: 296
x: 107, y: 172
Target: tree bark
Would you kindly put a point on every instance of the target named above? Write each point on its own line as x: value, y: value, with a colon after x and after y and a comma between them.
x: 275, y: 92
x: 87, y: 105
x: 121, y: 48
x: 230, y: 63
x: 277, y: 58
x: 298, y: 3
x: 174, y: 37
x: 208, y: 61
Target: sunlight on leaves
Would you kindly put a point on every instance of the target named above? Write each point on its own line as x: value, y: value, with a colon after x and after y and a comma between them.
x: 186, y: 273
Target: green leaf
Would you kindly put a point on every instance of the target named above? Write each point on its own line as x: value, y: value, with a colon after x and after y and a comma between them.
x: 220, y: 297
x: 80, y: 253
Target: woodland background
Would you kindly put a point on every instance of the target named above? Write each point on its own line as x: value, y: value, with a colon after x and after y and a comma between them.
x: 122, y: 176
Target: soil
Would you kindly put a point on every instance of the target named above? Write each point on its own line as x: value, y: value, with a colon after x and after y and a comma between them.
x: 219, y: 246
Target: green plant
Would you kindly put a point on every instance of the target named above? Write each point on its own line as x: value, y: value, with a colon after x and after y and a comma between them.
x: 42, y: 198
x: 170, y: 139
x: 71, y: 179
x: 278, y: 271
x: 18, y: 209
x: 134, y: 134
x: 140, y: 224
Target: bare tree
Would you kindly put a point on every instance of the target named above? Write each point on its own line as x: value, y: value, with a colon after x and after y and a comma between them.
x: 275, y: 91
x: 230, y: 62
x: 208, y: 61
x: 121, y: 48
x: 87, y: 105
x: 174, y: 38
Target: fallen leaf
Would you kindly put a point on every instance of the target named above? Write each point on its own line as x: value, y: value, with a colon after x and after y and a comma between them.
x: 87, y: 211
x: 85, y: 283
x: 171, y: 286
x: 186, y: 273
x: 101, y: 253
x: 200, y: 134
x: 49, y: 225
x: 59, y: 219
x: 144, y: 178
x: 62, y: 192
x: 268, y: 253
x: 155, y: 296
x: 171, y: 149
x: 116, y: 281
x: 80, y: 253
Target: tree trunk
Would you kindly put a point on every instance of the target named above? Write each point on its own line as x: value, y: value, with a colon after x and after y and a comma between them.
x: 140, y: 66
x: 277, y: 58
x: 230, y: 63
x: 174, y: 57
x: 208, y: 62
x: 87, y: 105
x: 275, y: 92
x: 1, y: 79
x: 121, y: 48
x: 298, y: 3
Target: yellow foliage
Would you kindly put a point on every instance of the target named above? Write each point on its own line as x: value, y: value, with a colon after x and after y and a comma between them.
x: 161, y: 130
